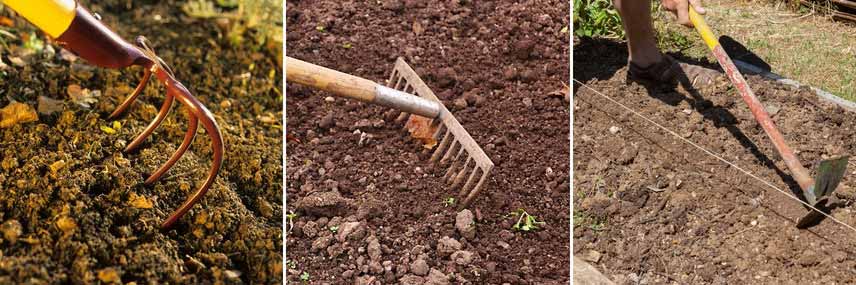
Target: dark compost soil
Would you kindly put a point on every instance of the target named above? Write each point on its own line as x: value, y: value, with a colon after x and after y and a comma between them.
x: 75, y: 222
x: 373, y: 212
x: 650, y: 208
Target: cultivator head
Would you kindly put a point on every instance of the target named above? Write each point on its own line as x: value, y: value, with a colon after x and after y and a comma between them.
x: 465, y: 159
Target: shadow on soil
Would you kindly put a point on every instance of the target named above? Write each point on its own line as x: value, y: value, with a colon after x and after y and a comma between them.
x: 601, y: 59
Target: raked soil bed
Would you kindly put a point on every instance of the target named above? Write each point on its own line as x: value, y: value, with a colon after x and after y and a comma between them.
x: 650, y: 208
x: 373, y: 212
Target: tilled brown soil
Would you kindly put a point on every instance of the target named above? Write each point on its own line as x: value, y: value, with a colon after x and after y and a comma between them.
x: 373, y: 212
x: 650, y: 208
x: 73, y: 207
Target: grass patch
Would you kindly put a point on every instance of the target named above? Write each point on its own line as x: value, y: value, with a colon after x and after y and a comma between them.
x: 597, y: 18
x: 800, y: 44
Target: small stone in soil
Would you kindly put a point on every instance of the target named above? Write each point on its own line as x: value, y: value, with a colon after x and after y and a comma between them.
x: 465, y: 224
x: 462, y: 257
x: 373, y: 248
x: 460, y: 103
x: 527, y: 102
x: 411, y: 280
x: 327, y: 121
x: 614, y: 129
x: 11, y: 230
x: 321, y: 243
x: 419, y: 267
x: 447, y: 245
x: 327, y: 204
x: 436, y: 277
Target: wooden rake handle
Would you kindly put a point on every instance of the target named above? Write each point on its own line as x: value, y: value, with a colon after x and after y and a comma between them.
x: 800, y: 173
x: 349, y: 86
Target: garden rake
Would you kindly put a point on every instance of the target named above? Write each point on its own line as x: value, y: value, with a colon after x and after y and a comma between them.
x: 814, y: 191
x: 409, y: 94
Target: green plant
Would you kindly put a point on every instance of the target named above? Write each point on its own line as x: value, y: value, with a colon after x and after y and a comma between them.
x: 304, y: 276
x: 449, y: 202
x: 596, y: 18
x: 525, y: 221
x: 34, y: 43
x: 582, y: 219
x: 334, y: 229
x: 290, y: 217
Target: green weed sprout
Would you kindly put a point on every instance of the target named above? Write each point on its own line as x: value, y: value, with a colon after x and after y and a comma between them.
x: 290, y: 216
x: 525, y: 221
x: 334, y: 229
x: 449, y: 202
x: 304, y: 276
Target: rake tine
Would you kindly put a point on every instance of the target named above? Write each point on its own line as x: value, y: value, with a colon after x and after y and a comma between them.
x: 164, y: 111
x: 476, y: 190
x: 460, y: 176
x: 469, y: 183
x: 147, y: 74
x: 393, y: 76
x: 441, y: 147
x: 450, y: 173
x: 449, y: 152
x: 188, y: 139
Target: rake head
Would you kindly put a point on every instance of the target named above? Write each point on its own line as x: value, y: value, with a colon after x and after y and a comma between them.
x: 829, y: 174
x: 466, y: 161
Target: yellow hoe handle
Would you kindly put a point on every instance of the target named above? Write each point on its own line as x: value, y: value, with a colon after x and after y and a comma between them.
x: 703, y: 29
x: 51, y: 16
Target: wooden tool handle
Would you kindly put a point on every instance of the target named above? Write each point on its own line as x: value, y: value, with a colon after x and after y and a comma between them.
x: 319, y: 77
x: 346, y: 85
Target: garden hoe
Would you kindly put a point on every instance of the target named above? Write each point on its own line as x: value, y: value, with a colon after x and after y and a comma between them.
x: 829, y: 172
x: 409, y: 94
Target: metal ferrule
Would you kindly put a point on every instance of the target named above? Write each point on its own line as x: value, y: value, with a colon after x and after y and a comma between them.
x: 406, y: 102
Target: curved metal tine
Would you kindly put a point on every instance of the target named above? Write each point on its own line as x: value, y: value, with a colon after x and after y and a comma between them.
x: 207, y: 119
x: 188, y: 139
x: 460, y: 176
x: 443, y: 144
x: 450, y: 173
x: 452, y: 147
x: 463, y: 192
x: 164, y: 111
x: 476, y: 190
x: 147, y: 74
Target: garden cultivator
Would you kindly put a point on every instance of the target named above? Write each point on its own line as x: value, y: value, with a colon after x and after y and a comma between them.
x: 81, y: 32
x: 469, y: 167
x: 814, y: 191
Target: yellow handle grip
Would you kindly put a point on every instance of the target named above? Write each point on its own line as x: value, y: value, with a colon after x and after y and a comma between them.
x: 703, y: 29
x: 51, y: 16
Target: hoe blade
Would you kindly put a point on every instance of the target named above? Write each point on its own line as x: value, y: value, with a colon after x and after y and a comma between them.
x: 829, y: 174
x: 468, y: 166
